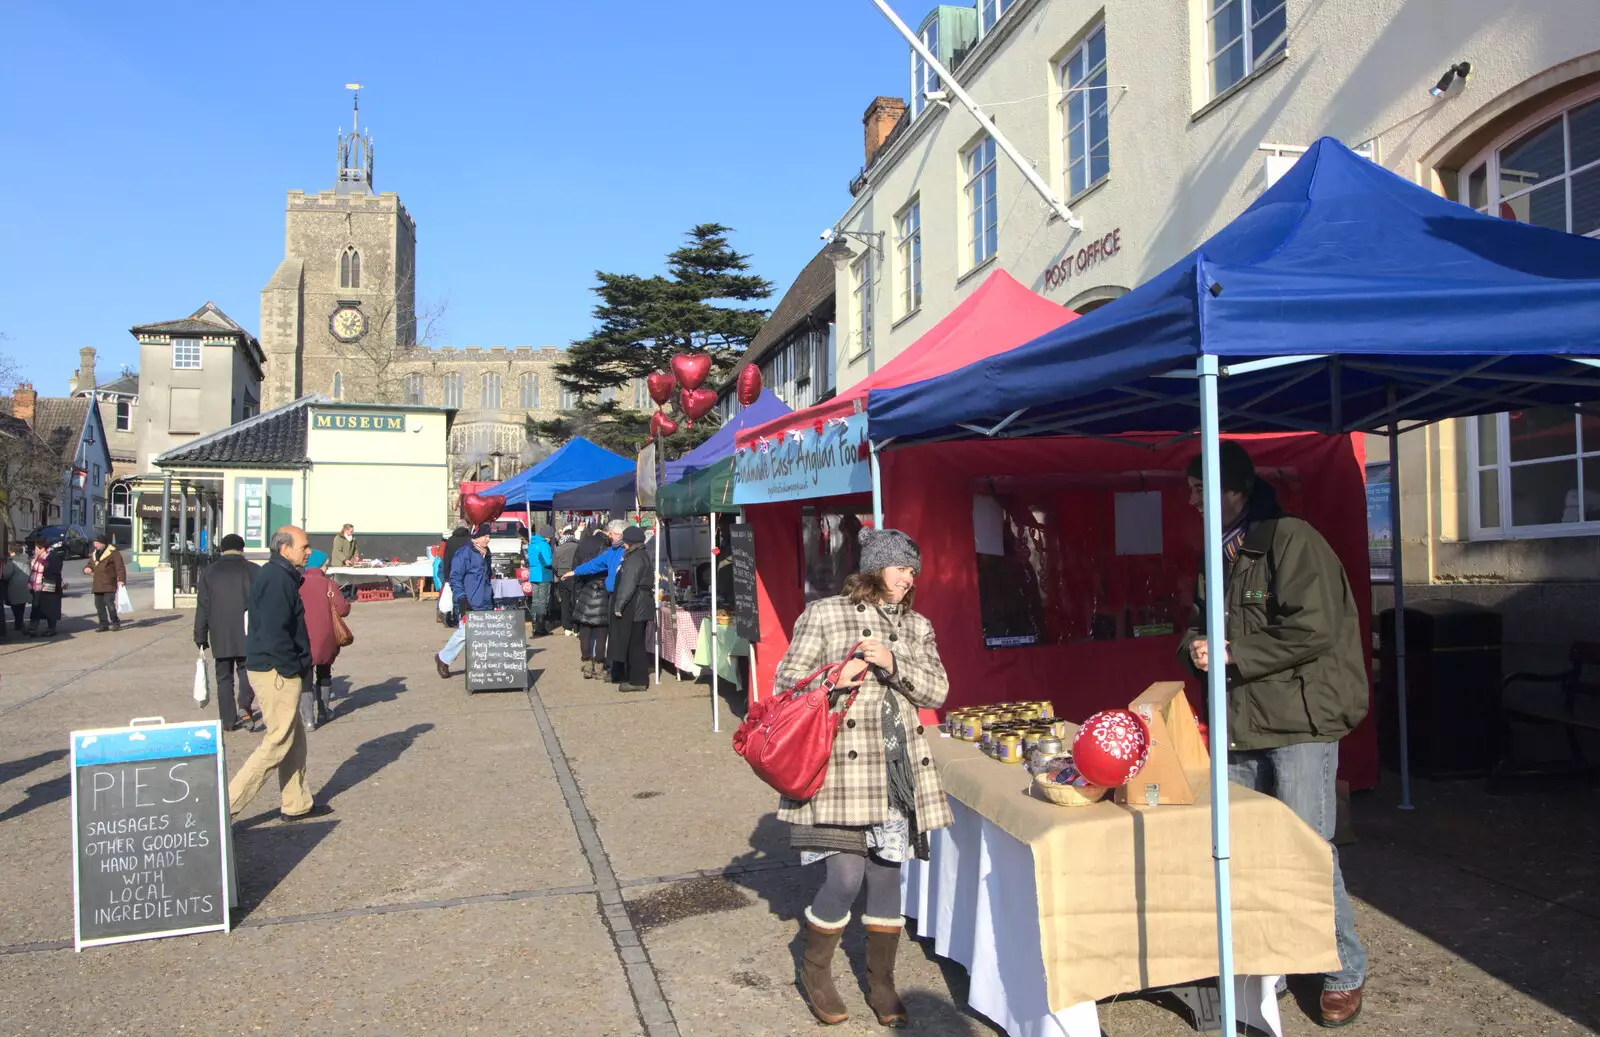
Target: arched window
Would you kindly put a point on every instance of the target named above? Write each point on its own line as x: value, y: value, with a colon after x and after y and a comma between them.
x: 338, y: 385
x: 350, y: 268
x: 489, y: 393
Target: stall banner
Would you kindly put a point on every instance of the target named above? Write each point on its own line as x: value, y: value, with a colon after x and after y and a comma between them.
x: 805, y: 463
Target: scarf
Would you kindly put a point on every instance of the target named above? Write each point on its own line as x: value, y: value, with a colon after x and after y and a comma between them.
x: 36, y: 573
x: 1233, y: 539
x: 897, y: 762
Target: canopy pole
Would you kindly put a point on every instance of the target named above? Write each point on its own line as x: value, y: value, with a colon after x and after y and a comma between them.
x: 1215, y: 627
x: 750, y: 692
x: 1398, y: 575
x: 661, y: 529
x: 877, y: 487
x: 716, y: 716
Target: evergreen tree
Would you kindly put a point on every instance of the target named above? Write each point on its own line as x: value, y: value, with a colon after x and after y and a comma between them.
x: 643, y: 321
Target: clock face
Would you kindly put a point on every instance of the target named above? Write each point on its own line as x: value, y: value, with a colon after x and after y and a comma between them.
x: 348, y: 323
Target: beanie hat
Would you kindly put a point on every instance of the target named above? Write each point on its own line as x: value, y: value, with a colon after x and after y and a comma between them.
x: 548, y: 531
x: 231, y: 542
x: 633, y: 535
x: 881, y: 548
x: 481, y: 530
x: 316, y: 560
x: 1238, y: 471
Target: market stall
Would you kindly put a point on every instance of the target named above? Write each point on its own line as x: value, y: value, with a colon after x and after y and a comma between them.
x: 766, y: 407
x: 614, y: 495
x: 1344, y: 299
x: 409, y: 575
x: 578, y: 463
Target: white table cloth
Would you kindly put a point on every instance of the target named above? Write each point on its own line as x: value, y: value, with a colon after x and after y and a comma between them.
x: 405, y: 571
x: 975, y: 897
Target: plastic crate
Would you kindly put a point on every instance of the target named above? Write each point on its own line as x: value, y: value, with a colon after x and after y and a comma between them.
x: 380, y: 592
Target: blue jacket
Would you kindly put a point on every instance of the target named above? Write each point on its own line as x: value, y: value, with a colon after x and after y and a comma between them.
x: 607, y: 563
x: 540, y: 557
x: 470, y: 584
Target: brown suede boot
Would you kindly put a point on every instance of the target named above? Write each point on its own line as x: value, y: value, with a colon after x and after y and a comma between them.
x: 816, y: 973
x: 883, y: 941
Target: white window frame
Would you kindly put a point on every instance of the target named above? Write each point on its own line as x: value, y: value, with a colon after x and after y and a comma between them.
x: 923, y: 77
x: 1247, y: 36
x: 183, y: 351
x: 989, y: 14
x: 982, y: 210
x: 1489, y: 161
x: 1502, y: 468
x: 1081, y: 97
x: 908, y: 257
x: 860, y: 310
x: 124, y: 417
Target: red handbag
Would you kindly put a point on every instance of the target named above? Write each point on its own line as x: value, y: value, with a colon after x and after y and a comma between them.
x: 787, y: 738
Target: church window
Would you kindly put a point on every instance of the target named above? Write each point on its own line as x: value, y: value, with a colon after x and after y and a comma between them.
x: 641, y: 395
x: 338, y: 385
x: 185, y: 353
x: 452, y: 390
x: 350, y: 268
x: 414, y: 388
x: 567, y: 398
x: 489, y: 393
x: 530, y: 392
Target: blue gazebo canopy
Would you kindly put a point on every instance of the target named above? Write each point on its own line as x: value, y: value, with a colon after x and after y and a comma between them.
x: 578, y: 463
x: 766, y: 407
x: 616, y: 494
x: 1343, y: 297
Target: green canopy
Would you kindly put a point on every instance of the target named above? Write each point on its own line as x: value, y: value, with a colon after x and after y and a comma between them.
x: 700, y: 493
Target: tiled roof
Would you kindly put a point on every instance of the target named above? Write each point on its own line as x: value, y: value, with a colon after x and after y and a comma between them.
x: 207, y: 320
x: 59, y: 422
x: 15, y: 427
x: 812, y: 288
x: 274, y: 439
x: 127, y: 384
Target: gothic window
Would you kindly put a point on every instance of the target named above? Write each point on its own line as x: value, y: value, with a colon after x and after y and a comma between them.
x: 338, y: 385
x: 452, y: 390
x: 489, y: 393
x: 414, y: 388
x: 530, y: 392
x: 350, y: 268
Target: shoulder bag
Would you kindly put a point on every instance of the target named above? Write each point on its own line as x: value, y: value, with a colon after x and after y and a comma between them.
x: 787, y: 738
x: 342, y: 634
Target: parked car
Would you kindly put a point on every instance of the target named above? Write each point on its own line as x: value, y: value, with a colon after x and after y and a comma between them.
x: 74, y: 538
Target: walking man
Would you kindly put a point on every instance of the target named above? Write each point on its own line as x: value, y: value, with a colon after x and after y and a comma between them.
x: 278, y: 654
x: 108, y: 574
x: 221, y: 600
x: 472, y: 591
x: 1297, y: 679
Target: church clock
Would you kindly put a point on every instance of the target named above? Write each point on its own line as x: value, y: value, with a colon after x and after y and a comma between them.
x: 347, y: 324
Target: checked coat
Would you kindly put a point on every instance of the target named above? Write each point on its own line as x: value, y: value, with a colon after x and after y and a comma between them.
x: 856, y: 789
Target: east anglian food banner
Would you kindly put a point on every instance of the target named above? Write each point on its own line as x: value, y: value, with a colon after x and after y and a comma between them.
x: 829, y: 459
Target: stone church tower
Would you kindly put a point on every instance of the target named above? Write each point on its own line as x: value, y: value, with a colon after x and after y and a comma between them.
x: 339, y: 315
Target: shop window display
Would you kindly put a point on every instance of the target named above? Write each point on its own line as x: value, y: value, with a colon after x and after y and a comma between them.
x: 830, y: 540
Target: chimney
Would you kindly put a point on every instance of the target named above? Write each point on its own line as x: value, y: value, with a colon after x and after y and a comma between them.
x: 86, y: 378
x: 22, y: 401
x: 880, y: 120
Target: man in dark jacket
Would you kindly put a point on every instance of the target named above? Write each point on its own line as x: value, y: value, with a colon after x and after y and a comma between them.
x: 562, y: 561
x: 633, y: 604
x: 277, y: 654
x: 221, y: 600
x: 1296, y: 673
x: 472, y: 590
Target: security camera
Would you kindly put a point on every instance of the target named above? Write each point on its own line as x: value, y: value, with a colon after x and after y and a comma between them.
x: 827, y: 234
x: 937, y: 95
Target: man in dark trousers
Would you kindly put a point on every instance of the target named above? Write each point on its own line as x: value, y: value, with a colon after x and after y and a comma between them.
x: 1297, y: 677
x: 221, y: 600
x: 472, y: 590
x: 278, y: 653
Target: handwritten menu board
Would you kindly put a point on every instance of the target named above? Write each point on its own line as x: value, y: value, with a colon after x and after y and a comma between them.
x: 497, y: 651
x: 150, y: 849
x: 746, y: 614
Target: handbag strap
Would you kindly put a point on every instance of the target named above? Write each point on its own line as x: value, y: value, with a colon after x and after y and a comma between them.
x: 830, y: 675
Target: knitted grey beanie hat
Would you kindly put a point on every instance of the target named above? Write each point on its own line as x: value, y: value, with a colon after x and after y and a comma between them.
x: 881, y: 548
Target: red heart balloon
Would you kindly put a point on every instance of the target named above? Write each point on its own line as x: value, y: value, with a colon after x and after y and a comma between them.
x: 660, y: 385
x: 691, y: 369
x: 478, y: 510
x: 1111, y: 747
x: 749, y: 385
x: 697, y: 403
x: 662, y: 424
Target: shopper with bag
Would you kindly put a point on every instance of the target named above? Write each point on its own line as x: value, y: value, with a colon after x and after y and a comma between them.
x: 880, y: 795
x: 472, y: 589
x: 47, y: 586
x: 595, y: 573
x: 14, y: 590
x: 325, y: 611
x: 108, y: 577
x: 222, y: 596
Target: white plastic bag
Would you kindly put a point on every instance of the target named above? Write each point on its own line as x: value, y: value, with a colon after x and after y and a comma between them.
x: 447, y: 599
x: 202, y: 680
x: 124, y: 601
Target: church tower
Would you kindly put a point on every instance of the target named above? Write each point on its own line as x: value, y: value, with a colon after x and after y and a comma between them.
x: 339, y: 315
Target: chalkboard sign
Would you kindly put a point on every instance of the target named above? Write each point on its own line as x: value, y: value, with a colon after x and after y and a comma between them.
x: 746, y: 612
x: 497, y: 651
x: 150, y: 832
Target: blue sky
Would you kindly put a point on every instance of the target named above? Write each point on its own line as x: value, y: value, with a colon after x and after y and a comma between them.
x: 145, y: 150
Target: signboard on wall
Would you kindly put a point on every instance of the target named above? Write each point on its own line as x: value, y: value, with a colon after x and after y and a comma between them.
x: 802, y: 464
x: 337, y: 420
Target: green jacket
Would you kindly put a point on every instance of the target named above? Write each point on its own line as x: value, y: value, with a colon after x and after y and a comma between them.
x: 341, y: 551
x: 1298, y: 671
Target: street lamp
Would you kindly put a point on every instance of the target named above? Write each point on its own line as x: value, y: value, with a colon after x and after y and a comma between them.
x: 838, y: 249
x: 495, y: 456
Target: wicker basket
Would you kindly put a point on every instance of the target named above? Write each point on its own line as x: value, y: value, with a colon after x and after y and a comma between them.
x: 1067, y: 795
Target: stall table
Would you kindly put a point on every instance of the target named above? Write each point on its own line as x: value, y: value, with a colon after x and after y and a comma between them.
x: 410, y: 575
x: 1052, y: 908
x: 680, y: 633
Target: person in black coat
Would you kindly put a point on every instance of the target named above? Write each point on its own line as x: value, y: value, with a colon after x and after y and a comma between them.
x: 632, y: 606
x: 47, y: 586
x: 221, y: 599
x: 459, y: 537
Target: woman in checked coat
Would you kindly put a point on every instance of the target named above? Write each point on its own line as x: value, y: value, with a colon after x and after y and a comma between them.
x: 882, y: 794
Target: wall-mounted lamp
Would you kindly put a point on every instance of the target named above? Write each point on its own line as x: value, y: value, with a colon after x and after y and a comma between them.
x: 838, y: 249
x: 1461, y: 69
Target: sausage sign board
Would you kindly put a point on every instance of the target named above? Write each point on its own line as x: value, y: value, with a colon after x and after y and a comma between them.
x: 151, y: 839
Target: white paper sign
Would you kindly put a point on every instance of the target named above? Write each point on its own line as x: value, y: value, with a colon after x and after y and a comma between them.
x: 1139, y: 523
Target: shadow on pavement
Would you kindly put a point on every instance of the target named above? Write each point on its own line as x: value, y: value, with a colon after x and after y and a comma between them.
x: 266, y: 856
x: 370, y: 758
x: 17, y: 768
x: 42, y: 794
x: 349, y: 701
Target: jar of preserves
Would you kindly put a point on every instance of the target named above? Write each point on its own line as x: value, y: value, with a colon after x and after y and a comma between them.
x: 1009, y: 749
